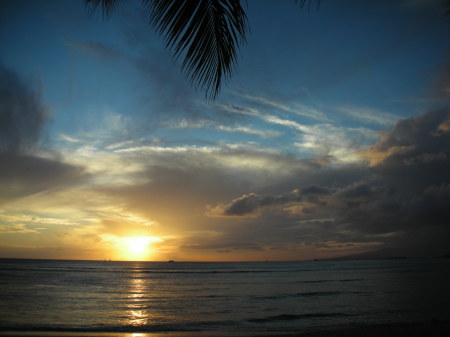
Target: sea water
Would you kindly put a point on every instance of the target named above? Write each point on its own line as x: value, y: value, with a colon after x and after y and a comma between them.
x: 103, y: 296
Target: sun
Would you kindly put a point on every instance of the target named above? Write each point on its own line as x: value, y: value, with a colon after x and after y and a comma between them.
x: 137, y: 247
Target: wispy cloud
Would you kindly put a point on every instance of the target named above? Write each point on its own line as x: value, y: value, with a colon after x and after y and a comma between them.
x: 250, y: 131
x: 115, y: 146
x: 272, y: 119
x: 298, y: 109
x: 35, y: 220
x: 17, y: 228
x: 213, y: 125
x: 69, y: 138
x: 321, y: 138
x: 369, y: 115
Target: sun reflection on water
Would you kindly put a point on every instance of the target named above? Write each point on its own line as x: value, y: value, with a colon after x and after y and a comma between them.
x: 137, y: 315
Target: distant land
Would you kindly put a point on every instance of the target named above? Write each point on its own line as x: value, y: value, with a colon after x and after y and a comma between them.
x: 395, y: 253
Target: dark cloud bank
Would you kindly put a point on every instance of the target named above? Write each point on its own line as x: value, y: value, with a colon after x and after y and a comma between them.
x: 400, y: 201
x: 23, y: 118
x: 22, y: 115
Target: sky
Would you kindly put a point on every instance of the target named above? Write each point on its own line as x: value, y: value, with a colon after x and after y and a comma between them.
x: 331, y: 139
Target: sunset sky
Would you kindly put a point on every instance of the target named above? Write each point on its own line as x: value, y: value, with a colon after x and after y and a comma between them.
x: 332, y: 138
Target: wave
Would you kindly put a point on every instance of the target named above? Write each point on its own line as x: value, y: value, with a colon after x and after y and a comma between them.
x: 290, y: 317
x: 317, y: 293
x: 313, y: 294
x: 105, y: 328
x: 325, y: 281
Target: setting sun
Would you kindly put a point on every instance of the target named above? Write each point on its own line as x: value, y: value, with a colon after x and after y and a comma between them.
x: 137, y: 247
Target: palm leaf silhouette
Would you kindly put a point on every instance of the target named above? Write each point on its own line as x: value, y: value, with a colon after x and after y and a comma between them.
x: 107, y: 6
x: 206, y: 34
x: 303, y: 3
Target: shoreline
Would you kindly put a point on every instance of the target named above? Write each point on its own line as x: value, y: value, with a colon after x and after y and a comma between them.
x: 432, y: 328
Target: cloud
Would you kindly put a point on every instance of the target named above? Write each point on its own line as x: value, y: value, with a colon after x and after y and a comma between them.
x: 413, y: 169
x: 69, y: 139
x: 405, y: 191
x: 298, y: 109
x: 172, y: 186
x: 368, y: 115
x: 154, y: 75
x: 23, y: 117
x: 415, y: 143
x: 408, y: 187
x: 340, y: 143
x: 23, y: 175
x: 224, y: 200
x: 322, y: 139
x: 315, y: 190
x: 441, y: 87
x: 271, y: 119
x: 250, y: 204
x: 17, y: 228
x: 213, y: 124
x: 22, y: 114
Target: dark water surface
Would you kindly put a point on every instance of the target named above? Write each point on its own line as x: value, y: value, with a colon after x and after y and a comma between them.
x: 96, y: 296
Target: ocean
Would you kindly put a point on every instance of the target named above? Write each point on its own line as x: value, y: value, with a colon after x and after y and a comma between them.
x: 253, y: 298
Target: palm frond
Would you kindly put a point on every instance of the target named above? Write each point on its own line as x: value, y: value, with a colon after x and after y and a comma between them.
x: 304, y: 2
x: 206, y: 33
x: 107, y: 6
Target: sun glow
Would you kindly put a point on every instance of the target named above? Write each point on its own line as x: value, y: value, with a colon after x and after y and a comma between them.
x: 136, y: 247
